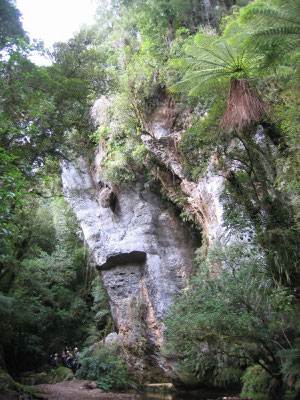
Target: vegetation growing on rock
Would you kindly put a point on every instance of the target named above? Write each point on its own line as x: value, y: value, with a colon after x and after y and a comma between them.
x: 233, y: 70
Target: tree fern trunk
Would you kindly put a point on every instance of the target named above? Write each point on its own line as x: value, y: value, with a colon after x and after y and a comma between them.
x: 244, y: 106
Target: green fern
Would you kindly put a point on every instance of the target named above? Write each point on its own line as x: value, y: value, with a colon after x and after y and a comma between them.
x: 211, y: 64
x: 215, y: 63
x: 281, y: 31
x: 280, y: 19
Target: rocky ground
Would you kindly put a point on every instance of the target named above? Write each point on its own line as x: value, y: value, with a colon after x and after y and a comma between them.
x: 87, y: 390
x: 77, y: 390
x: 66, y: 390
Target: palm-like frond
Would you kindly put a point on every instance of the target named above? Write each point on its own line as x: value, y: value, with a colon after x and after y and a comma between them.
x: 281, y: 12
x: 290, y: 36
x: 211, y: 63
x: 281, y: 31
x: 269, y: 23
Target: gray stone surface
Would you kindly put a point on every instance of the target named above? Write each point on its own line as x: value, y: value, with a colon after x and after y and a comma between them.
x: 113, y: 338
x: 142, y: 250
x: 202, y: 198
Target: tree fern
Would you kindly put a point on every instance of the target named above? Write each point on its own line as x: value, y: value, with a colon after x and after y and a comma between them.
x: 214, y: 63
x: 211, y: 63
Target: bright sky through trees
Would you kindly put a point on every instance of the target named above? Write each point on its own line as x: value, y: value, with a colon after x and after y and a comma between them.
x: 55, y: 20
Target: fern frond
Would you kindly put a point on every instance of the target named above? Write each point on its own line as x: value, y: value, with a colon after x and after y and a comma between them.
x: 211, y: 61
x: 262, y: 15
x: 290, y: 7
x: 203, y: 55
x: 207, y: 85
x: 206, y: 53
x: 201, y: 81
x: 212, y: 47
x: 280, y: 31
x: 203, y: 41
x: 276, y: 29
x: 232, y: 29
x: 278, y: 42
x: 180, y: 63
x: 203, y: 60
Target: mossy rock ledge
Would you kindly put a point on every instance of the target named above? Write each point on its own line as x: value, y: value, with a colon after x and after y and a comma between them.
x: 12, y: 390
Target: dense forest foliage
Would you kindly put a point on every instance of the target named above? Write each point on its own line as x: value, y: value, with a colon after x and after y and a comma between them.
x: 232, y: 67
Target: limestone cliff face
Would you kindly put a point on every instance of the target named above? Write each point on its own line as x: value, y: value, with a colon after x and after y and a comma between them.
x: 141, y: 248
x: 201, y: 198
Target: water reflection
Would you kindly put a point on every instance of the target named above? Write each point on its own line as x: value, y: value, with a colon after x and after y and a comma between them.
x: 195, y: 395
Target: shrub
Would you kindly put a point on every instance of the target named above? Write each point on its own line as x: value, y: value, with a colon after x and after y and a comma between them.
x: 104, y: 366
x: 256, y: 382
x: 231, y: 317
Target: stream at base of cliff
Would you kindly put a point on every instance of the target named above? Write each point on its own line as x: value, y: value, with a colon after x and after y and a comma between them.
x: 188, y: 395
x: 81, y: 390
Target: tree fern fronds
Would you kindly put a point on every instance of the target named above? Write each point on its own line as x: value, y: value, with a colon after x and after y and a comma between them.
x: 205, y: 86
x: 207, y: 53
x: 272, y: 45
x: 235, y: 60
x: 181, y: 63
x: 282, y: 21
x: 206, y: 82
x: 193, y: 63
x: 203, y: 41
x: 233, y: 29
x: 200, y: 77
x: 290, y: 7
x: 220, y: 72
x: 213, y: 47
x: 218, y: 62
x: 275, y: 29
x: 260, y: 14
x: 205, y: 56
x: 208, y: 63
x: 280, y: 31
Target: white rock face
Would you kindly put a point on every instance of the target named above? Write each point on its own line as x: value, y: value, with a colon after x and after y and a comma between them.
x: 142, y: 250
x: 202, y: 198
x: 205, y: 196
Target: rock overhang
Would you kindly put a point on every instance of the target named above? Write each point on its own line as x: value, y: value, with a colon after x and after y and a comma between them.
x: 123, y: 258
